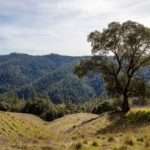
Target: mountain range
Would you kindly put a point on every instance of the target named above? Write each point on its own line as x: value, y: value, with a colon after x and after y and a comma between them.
x: 52, y: 74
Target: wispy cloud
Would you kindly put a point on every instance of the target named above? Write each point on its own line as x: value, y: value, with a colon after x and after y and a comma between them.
x: 61, y: 26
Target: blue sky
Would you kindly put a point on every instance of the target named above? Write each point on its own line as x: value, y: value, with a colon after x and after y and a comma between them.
x: 41, y: 27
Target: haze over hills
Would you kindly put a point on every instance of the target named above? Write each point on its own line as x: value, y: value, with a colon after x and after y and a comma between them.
x: 52, y: 74
x: 49, y: 73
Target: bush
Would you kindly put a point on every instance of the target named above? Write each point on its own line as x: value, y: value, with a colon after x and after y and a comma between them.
x: 42, y: 107
x: 78, y: 146
x: 5, y: 106
x: 60, y: 110
x: 110, y: 138
x: 94, y: 143
x: 147, y: 143
x: 51, y: 114
x: 103, y: 106
x: 128, y: 140
x: 140, y: 139
x: 18, y: 107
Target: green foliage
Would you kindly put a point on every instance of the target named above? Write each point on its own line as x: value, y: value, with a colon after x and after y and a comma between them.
x: 12, y: 103
x: 94, y: 143
x: 140, y: 139
x: 5, y: 106
x: 42, y: 107
x: 61, y: 108
x: 52, y: 74
x: 129, y: 43
x: 78, y: 146
x: 110, y: 137
x: 135, y: 118
x: 16, y: 70
x: 128, y: 140
x: 69, y: 106
x: 102, y: 106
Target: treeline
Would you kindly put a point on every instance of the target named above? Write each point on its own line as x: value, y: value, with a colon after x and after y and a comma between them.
x: 46, y: 109
x: 43, y: 107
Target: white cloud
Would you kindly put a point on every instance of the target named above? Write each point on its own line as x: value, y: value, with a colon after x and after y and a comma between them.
x: 62, y: 26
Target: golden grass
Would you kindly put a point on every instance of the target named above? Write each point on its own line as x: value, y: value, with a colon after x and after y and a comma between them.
x: 25, y: 131
x: 117, y: 132
x: 63, y: 124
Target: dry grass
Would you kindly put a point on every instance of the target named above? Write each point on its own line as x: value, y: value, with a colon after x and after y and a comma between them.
x: 24, y: 131
x: 117, y: 132
x: 63, y: 124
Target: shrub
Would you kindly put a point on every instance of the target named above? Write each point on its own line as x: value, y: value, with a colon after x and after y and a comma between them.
x: 110, y: 138
x: 60, y: 110
x: 85, y: 142
x: 115, y: 148
x: 103, y: 106
x: 140, y: 139
x: 147, y: 143
x: 5, y: 106
x: 128, y: 140
x: 74, y: 137
x: 94, y: 143
x: 42, y: 107
x: 78, y: 146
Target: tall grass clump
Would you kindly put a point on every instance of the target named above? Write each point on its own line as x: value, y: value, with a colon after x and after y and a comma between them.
x: 110, y: 137
x: 128, y: 140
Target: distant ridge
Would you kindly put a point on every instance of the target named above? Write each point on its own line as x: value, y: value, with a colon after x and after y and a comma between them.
x: 48, y: 73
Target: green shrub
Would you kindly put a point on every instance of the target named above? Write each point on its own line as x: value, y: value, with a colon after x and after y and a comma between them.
x: 110, y: 138
x: 128, y: 140
x: 94, y: 143
x: 5, y: 106
x: 74, y: 137
x: 103, y: 106
x: 78, y: 146
x: 147, y: 143
x: 140, y: 139
x: 85, y: 142
x: 42, y: 107
x: 115, y: 148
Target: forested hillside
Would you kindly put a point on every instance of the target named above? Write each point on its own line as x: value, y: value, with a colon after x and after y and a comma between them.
x: 16, y: 70
x: 52, y: 74
x: 62, y: 83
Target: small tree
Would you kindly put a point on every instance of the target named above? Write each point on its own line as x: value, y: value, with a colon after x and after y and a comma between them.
x: 129, y: 43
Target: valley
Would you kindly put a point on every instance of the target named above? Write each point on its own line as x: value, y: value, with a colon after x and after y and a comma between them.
x: 107, y: 131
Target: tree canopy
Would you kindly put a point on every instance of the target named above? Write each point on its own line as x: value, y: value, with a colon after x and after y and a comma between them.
x: 120, y: 52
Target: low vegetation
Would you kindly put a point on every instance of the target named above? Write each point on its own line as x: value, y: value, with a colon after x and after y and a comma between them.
x: 110, y: 130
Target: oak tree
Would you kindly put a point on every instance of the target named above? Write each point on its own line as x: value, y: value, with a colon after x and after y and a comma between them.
x: 120, y: 52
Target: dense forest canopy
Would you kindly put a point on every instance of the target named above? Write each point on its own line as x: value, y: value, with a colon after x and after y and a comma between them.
x: 50, y: 73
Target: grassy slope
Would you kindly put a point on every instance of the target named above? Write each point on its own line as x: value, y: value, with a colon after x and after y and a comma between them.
x: 108, y: 131
x: 25, y: 131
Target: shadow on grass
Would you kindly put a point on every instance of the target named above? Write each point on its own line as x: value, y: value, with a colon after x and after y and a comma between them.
x: 122, y: 121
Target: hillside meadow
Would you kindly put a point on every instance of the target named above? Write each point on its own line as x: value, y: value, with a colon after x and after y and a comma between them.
x: 81, y: 131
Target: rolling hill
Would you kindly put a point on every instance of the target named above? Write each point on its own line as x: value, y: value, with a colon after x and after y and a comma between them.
x: 81, y: 131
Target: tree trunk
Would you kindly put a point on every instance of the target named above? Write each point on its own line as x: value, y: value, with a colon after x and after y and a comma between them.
x: 125, y: 106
